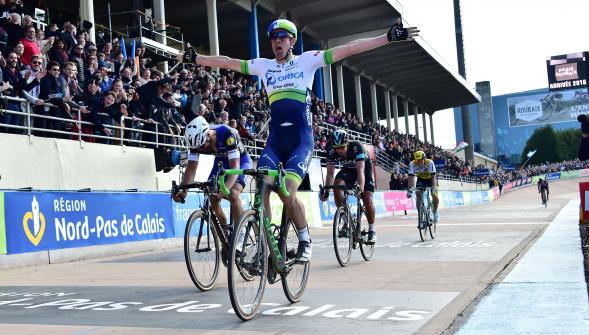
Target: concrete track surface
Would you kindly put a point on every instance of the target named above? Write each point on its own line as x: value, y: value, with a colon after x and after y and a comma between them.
x: 409, y: 287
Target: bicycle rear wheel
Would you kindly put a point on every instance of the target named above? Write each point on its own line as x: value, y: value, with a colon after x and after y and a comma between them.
x: 251, y: 257
x: 432, y: 223
x: 342, y: 235
x: 367, y: 250
x: 544, y: 202
x: 201, y: 251
x: 295, y: 281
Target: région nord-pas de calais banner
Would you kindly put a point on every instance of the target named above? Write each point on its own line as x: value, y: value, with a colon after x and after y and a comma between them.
x: 537, y: 109
x: 37, y: 221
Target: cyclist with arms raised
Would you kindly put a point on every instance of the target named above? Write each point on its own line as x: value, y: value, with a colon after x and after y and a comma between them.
x: 288, y: 80
x: 357, y: 167
x: 543, y: 188
x: 224, y: 143
x: 425, y: 171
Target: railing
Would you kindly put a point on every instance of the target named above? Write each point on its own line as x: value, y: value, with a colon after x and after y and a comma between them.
x: 134, y: 136
x: 354, y: 135
x: 118, y: 131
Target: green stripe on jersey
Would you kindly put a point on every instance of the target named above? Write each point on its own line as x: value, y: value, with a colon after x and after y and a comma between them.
x: 244, y: 67
x: 328, y: 56
x: 297, y: 95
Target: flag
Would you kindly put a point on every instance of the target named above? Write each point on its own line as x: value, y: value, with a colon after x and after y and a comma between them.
x: 531, y: 153
x: 123, y: 48
x: 137, y: 69
x: 460, y: 146
x: 133, y: 50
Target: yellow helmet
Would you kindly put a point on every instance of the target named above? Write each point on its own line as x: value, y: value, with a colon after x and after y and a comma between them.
x: 419, y: 155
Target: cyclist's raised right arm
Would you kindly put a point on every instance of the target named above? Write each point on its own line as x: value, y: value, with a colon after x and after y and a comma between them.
x: 220, y: 61
x: 190, y: 172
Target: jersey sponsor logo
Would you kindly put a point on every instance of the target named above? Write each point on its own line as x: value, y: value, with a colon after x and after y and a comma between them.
x: 270, y: 79
x: 230, y: 140
x: 316, y: 53
x: 38, y: 220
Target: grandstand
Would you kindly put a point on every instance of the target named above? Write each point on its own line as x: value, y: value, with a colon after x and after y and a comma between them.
x: 61, y: 94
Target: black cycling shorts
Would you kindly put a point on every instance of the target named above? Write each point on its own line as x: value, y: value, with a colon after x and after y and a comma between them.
x: 423, y: 183
x: 350, y: 176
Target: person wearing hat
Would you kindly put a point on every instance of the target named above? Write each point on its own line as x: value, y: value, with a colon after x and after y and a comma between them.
x: 288, y: 80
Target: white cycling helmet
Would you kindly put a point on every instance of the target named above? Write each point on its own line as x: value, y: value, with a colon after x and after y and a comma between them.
x: 196, y: 132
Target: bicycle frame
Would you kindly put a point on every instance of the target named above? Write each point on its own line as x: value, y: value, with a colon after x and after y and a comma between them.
x: 263, y: 221
x: 211, y: 216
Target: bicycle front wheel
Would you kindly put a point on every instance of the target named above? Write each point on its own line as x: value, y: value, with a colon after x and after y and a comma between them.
x: 248, y: 268
x: 422, y: 222
x: 201, y: 251
x: 342, y: 235
x: 367, y: 250
x: 295, y: 281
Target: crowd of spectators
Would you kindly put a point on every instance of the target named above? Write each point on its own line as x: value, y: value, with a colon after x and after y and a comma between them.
x: 63, y: 74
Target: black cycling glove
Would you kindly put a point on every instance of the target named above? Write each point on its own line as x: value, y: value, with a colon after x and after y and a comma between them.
x: 397, y: 32
x: 189, y: 56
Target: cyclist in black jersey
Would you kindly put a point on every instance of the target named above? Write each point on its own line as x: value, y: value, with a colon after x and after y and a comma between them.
x: 288, y: 80
x: 543, y: 187
x: 357, y: 168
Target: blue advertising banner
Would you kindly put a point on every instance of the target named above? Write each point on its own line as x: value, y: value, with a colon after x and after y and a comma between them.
x: 447, y: 198
x: 440, y: 164
x: 46, y: 221
x: 327, y: 209
x: 193, y: 203
x: 553, y: 176
x: 476, y: 198
x: 458, y: 199
x: 485, y: 196
x: 482, y: 172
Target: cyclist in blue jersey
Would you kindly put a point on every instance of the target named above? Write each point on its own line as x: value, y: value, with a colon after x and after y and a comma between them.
x: 288, y: 80
x: 225, y: 144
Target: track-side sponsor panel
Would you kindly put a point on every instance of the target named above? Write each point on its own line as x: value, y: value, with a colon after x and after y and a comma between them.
x: 38, y: 221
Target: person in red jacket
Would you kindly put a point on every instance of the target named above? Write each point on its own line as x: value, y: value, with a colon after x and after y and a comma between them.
x: 30, y: 44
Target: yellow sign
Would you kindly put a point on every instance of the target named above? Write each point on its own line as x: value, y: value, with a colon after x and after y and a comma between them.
x: 38, y: 220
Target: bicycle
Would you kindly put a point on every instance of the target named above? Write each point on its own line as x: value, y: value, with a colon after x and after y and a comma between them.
x: 544, y: 198
x: 267, y: 250
x: 201, y: 241
x: 348, y: 230
x: 425, y: 215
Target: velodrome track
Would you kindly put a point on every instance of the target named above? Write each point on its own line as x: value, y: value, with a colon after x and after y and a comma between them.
x: 408, y: 288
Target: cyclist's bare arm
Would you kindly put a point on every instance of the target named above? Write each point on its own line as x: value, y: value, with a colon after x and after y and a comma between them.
x: 190, y: 172
x: 360, y: 173
x: 230, y: 180
x: 358, y: 46
x: 365, y: 44
x: 217, y: 61
x: 330, y: 173
x: 411, y: 182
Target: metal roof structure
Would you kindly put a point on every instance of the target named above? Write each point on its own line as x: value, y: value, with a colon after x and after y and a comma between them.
x: 411, y: 69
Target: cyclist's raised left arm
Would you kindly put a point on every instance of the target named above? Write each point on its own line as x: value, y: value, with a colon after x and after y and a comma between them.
x: 396, y: 33
x: 358, y: 46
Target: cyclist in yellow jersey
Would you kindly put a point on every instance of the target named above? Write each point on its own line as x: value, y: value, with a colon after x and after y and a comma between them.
x: 288, y: 80
x: 425, y: 171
